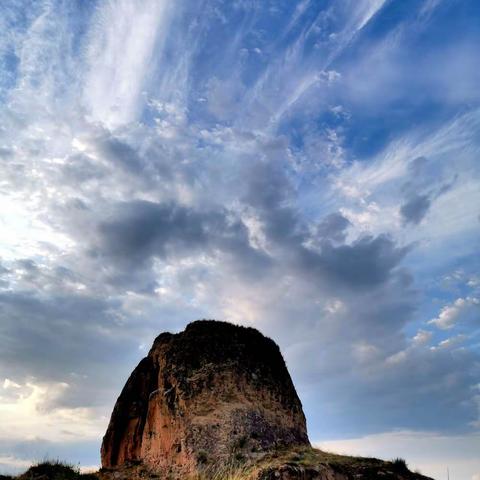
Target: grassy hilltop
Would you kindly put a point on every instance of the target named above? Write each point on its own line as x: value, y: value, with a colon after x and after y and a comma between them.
x: 302, y: 462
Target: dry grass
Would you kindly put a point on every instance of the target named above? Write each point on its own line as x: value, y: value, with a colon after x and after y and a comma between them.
x: 311, y: 457
x: 301, y: 457
x: 298, y: 459
x: 230, y: 471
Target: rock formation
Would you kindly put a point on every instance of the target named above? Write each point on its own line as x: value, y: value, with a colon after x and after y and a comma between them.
x: 216, y: 401
x: 202, y: 397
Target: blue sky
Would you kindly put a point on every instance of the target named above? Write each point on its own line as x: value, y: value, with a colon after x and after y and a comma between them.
x: 310, y: 168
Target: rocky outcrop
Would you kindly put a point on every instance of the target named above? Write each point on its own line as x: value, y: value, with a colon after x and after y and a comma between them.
x: 216, y: 401
x: 211, y: 393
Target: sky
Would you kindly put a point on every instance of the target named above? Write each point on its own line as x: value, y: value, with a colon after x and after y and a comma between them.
x: 309, y: 168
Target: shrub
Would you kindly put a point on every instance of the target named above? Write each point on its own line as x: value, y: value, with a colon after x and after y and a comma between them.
x: 53, y: 470
x: 400, y: 464
x: 56, y: 470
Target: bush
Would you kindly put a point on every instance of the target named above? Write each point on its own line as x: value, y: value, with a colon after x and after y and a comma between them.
x: 56, y: 470
x: 400, y: 464
x: 53, y: 470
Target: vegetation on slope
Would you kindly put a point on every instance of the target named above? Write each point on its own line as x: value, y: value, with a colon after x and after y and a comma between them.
x: 298, y: 462
x: 52, y: 470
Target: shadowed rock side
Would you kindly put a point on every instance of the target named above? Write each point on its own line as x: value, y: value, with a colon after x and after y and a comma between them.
x: 211, y: 393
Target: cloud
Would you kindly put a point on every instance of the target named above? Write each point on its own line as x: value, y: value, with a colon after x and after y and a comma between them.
x: 69, y: 332
x: 451, y: 342
x: 139, y: 231
x: 119, y: 55
x: 422, y: 337
x: 142, y: 229
x: 27, y: 414
x: 365, y: 263
x: 118, y: 153
x: 415, y: 209
x: 422, y: 175
x: 430, y: 453
x: 461, y: 310
x: 162, y: 163
x: 333, y: 227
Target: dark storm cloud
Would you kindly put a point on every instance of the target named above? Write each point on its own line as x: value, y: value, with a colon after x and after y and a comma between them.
x: 418, y: 166
x: 366, y: 263
x: 415, y: 209
x: 29, y: 274
x: 66, y: 338
x: 55, y: 329
x: 3, y: 270
x: 80, y: 168
x: 416, y: 204
x: 359, y: 373
x: 119, y: 153
x: 138, y: 231
x: 333, y: 227
x: 270, y: 194
x: 51, y: 332
x: 423, y: 187
x: 4, y: 282
x: 440, y: 378
x: 358, y: 338
x: 149, y: 163
x: 6, y: 153
x: 419, y: 388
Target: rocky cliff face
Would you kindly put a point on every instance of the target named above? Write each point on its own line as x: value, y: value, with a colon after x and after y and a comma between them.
x: 211, y: 393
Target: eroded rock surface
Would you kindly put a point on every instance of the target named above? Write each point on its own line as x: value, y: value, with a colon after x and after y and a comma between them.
x: 211, y: 393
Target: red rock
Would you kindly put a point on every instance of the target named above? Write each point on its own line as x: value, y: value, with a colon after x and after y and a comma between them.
x: 201, y: 397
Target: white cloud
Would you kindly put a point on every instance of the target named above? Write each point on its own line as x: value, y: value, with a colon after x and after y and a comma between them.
x: 462, y: 309
x: 422, y: 337
x: 7, y: 383
x: 370, y: 193
x: 123, y: 40
x: 29, y: 414
x: 474, y: 281
x: 334, y: 305
x: 450, y: 342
